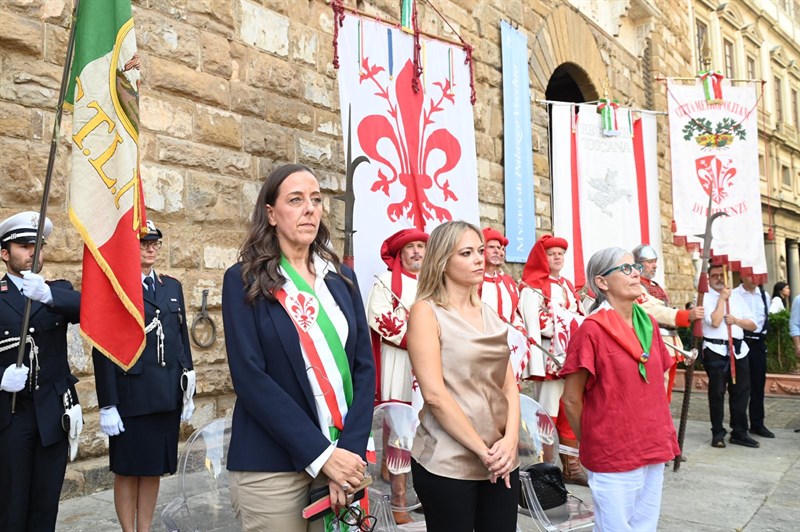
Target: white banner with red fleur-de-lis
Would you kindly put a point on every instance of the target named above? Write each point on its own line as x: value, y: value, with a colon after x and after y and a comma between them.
x: 422, y: 167
x: 714, y: 151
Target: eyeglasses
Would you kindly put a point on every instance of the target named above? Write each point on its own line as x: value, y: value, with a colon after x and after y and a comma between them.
x: 354, y: 516
x: 624, y: 268
x: 146, y: 244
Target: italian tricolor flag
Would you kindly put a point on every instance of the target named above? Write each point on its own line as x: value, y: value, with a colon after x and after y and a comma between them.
x: 106, y: 202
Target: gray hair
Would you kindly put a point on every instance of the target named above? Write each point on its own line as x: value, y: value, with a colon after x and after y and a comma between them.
x: 601, y: 262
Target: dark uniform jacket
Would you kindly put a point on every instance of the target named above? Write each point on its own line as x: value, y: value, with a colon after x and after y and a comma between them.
x: 275, y: 426
x: 48, y: 329
x: 148, y: 387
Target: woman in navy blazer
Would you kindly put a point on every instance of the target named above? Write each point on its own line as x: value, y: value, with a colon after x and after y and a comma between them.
x: 281, y: 445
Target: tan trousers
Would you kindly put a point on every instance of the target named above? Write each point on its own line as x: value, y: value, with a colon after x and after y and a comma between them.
x: 267, y: 502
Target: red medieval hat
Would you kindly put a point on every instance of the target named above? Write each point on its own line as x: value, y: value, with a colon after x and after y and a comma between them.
x: 490, y: 233
x: 390, y: 253
x: 537, y: 269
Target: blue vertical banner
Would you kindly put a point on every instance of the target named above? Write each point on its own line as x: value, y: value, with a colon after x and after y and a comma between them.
x: 518, y: 159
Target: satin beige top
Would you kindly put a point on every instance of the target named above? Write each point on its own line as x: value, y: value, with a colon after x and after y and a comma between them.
x: 474, y: 368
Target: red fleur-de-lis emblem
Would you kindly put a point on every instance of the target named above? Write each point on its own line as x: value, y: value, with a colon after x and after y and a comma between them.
x: 715, y: 176
x: 303, y: 310
x: 389, y: 324
x: 408, y: 136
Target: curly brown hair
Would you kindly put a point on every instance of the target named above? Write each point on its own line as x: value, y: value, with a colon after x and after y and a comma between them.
x: 260, y: 254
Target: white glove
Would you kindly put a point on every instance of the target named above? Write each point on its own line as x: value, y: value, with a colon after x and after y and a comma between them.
x: 75, y: 414
x: 14, y: 378
x: 34, y: 287
x: 110, y: 422
x: 188, y: 383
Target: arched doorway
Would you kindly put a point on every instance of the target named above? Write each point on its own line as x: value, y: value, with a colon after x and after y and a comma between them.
x: 570, y: 83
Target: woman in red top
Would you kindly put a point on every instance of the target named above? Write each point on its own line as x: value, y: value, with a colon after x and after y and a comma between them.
x: 615, y: 400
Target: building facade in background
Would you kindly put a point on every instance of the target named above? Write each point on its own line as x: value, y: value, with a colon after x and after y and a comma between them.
x: 232, y: 88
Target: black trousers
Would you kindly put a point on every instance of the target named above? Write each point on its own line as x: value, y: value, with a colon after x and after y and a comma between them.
x: 758, y: 380
x: 31, y: 475
x: 453, y: 505
x: 718, y: 369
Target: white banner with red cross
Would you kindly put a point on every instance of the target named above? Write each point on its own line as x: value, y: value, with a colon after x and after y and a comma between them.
x: 605, y: 187
x: 420, y: 146
x: 714, y: 151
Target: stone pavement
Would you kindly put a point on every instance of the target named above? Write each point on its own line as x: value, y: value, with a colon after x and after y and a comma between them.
x: 732, y: 489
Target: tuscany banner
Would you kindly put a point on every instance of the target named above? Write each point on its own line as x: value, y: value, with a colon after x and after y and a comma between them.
x: 415, y: 150
x: 714, y: 152
x: 106, y: 203
x: 605, y: 182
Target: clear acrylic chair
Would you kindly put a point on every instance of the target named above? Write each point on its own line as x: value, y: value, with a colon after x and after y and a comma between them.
x: 396, y: 423
x: 538, y: 442
x: 203, y: 503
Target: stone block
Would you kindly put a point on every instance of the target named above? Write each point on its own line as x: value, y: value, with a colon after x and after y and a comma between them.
x: 219, y: 258
x: 268, y: 140
x: 248, y: 100
x: 273, y: 74
x: 305, y: 44
x: 55, y: 44
x: 289, y: 112
x: 212, y: 198
x: 328, y: 123
x: 163, y: 188
x: 55, y: 12
x: 214, y: 380
x: 215, y: 15
x: 23, y: 166
x: 264, y: 29
x: 315, y: 151
x: 170, y: 116
x: 167, y: 37
x: 214, y: 126
x: 216, y: 54
x: 79, y: 351
x: 185, y: 255
x: 15, y: 120
x: 74, y: 484
x: 29, y: 82
x: 193, y: 155
x: 175, y: 9
x: 21, y: 34
x: 179, y: 79
x: 491, y: 192
x: 318, y: 88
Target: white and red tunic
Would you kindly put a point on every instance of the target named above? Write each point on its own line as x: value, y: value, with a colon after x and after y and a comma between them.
x: 549, y: 322
x: 500, y: 292
x: 388, y: 320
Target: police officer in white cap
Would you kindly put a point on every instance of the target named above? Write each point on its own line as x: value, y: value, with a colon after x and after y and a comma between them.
x: 34, y: 440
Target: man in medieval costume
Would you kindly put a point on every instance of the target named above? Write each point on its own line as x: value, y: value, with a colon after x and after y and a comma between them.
x: 655, y: 301
x: 389, y: 299
x: 552, y: 311
x: 500, y: 292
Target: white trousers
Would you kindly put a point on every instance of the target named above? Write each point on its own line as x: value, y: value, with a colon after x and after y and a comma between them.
x: 629, y: 501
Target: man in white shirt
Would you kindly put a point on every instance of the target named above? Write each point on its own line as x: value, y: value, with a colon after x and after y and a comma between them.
x: 753, y: 294
x: 727, y: 309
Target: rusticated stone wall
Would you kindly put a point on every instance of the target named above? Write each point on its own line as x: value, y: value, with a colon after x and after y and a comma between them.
x: 231, y: 88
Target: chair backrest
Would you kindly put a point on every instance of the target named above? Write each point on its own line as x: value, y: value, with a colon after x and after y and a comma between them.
x: 538, y: 442
x: 203, y: 502
x: 538, y: 438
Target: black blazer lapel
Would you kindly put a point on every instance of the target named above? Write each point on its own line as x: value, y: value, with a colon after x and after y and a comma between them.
x: 13, y: 298
x: 290, y: 341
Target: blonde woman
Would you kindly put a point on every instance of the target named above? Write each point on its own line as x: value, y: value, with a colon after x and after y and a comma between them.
x: 465, y: 465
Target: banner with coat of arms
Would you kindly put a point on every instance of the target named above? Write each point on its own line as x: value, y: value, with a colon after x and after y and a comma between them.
x: 714, y: 151
x: 605, y: 181
x: 421, y: 166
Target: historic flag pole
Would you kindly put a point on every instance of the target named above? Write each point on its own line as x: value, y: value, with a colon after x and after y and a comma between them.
x: 23, y: 335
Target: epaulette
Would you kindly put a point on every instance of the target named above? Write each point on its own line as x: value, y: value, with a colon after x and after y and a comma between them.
x: 51, y: 281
